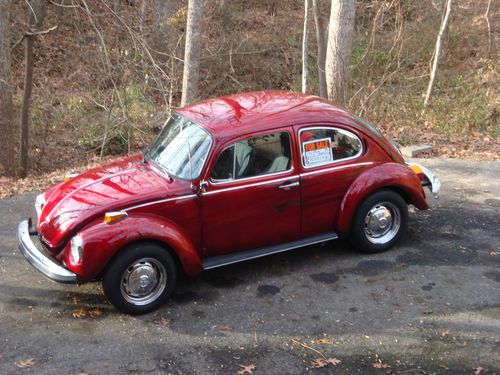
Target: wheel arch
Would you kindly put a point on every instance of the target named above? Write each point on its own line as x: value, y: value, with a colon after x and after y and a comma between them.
x: 139, y: 241
x: 388, y: 176
x: 104, y: 241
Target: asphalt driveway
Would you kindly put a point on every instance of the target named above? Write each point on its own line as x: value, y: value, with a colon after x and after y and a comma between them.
x: 430, y: 305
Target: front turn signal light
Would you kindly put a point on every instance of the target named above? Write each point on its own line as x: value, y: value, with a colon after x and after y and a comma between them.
x: 416, y: 168
x: 113, y: 217
x: 70, y: 176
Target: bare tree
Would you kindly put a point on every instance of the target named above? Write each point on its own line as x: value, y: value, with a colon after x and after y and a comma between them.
x: 487, y: 18
x: 191, y: 72
x: 163, y: 10
x: 305, y: 35
x: 338, y: 52
x: 321, y: 41
x: 437, y: 52
x: 36, y: 15
x: 7, y: 149
x: 142, y: 18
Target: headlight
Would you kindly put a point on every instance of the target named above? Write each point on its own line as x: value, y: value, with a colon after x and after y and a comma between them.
x: 75, y: 254
x: 39, y: 203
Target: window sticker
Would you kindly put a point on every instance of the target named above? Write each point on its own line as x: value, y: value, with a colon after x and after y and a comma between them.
x: 317, y: 152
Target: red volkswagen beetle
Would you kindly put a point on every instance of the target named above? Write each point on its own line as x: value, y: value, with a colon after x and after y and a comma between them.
x: 227, y: 179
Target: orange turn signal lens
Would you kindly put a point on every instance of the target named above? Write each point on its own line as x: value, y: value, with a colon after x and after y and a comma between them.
x: 69, y: 176
x: 113, y: 217
x: 416, y: 168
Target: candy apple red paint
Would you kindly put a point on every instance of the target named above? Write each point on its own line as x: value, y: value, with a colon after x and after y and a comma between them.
x: 227, y: 180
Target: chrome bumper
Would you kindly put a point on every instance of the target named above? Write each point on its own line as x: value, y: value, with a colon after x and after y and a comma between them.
x: 430, y: 179
x: 42, y: 263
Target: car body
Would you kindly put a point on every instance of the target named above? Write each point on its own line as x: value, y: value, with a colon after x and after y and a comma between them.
x: 228, y: 179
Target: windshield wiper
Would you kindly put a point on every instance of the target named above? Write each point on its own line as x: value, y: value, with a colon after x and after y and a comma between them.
x: 164, y: 169
x: 145, y: 154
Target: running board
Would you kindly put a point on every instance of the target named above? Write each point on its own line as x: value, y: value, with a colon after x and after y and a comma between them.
x: 223, y: 260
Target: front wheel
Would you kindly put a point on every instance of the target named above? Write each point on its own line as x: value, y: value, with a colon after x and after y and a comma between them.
x: 140, y: 278
x: 379, y: 222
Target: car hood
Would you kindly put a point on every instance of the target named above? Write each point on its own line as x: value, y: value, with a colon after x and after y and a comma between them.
x: 112, y: 187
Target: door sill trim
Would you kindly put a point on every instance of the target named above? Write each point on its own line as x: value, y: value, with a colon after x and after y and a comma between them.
x: 241, y: 256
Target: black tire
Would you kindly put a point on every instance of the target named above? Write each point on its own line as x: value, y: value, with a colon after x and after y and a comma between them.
x: 379, y: 222
x: 140, y: 278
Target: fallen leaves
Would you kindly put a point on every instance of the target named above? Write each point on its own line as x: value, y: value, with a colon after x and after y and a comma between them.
x: 225, y: 328
x: 25, y: 363
x: 324, y: 341
x: 380, y: 364
x: 87, y: 313
x: 162, y: 321
x: 323, y: 362
x: 245, y: 369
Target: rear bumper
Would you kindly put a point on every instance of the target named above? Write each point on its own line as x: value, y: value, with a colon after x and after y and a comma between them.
x: 430, y: 181
x: 40, y: 261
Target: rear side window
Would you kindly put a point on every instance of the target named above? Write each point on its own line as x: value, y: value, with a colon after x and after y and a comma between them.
x: 252, y: 157
x: 326, y: 145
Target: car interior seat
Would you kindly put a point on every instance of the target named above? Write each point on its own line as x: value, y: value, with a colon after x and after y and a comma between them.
x: 279, y: 164
x: 243, y: 156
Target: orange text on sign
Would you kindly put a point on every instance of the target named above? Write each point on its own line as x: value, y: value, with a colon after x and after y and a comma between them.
x: 316, y: 145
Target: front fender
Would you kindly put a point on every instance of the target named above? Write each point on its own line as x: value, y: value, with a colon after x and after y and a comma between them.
x: 102, y: 241
x: 388, y: 175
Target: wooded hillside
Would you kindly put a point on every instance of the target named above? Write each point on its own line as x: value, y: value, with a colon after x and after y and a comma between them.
x: 107, y: 73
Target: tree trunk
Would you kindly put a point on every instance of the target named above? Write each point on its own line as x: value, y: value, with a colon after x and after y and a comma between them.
x: 7, y: 127
x: 191, y: 72
x: 437, y: 52
x: 339, y: 49
x: 487, y: 18
x: 305, y: 35
x: 320, y: 38
x: 163, y: 10
x: 36, y: 15
x: 143, y: 15
x: 25, y: 112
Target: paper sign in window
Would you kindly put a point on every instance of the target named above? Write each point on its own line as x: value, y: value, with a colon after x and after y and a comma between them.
x: 317, y: 152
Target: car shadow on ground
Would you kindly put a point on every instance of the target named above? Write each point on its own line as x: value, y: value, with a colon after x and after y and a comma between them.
x: 463, y: 235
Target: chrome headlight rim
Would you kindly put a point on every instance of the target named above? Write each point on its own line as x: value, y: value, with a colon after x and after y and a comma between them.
x: 40, y: 202
x: 76, y: 249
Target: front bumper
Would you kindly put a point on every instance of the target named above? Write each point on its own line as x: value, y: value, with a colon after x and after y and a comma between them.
x: 40, y: 261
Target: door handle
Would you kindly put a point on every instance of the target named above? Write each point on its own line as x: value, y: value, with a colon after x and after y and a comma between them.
x: 289, y: 185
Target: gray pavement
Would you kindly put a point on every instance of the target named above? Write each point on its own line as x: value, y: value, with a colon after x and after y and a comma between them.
x: 429, y: 305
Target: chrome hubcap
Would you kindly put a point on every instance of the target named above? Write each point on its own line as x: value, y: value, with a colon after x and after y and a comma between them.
x: 382, y: 223
x: 143, y: 281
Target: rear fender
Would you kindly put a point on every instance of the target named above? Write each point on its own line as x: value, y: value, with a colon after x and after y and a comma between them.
x: 393, y: 176
x: 103, y: 241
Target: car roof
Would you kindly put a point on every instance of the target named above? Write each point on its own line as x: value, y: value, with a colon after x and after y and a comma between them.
x: 240, y: 114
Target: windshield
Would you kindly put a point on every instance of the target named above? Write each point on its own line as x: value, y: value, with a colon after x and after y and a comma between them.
x: 181, y: 148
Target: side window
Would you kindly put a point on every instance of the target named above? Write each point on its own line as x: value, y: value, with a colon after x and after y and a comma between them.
x: 252, y: 157
x: 223, y: 169
x: 320, y: 146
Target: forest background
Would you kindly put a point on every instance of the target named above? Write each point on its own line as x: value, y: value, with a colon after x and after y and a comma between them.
x: 107, y: 73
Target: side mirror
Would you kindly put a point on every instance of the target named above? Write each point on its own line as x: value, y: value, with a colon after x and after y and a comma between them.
x: 199, y: 187
x: 203, y: 186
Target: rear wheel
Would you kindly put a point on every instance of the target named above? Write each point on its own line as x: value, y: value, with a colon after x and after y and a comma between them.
x: 140, y: 278
x: 379, y: 221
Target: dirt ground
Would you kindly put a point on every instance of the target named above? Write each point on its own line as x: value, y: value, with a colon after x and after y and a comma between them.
x: 429, y: 305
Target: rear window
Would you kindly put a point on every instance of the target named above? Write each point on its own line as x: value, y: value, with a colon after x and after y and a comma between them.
x: 367, y: 124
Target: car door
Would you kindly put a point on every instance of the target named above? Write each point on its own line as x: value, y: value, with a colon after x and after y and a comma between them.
x: 251, y: 197
x: 330, y: 160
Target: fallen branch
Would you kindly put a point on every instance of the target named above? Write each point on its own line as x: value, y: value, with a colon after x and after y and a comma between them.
x: 308, y: 347
x: 33, y: 33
